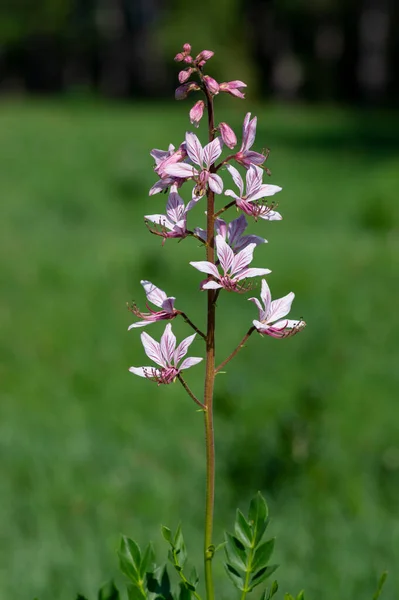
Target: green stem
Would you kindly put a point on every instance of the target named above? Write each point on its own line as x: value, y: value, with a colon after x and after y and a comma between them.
x: 236, y: 350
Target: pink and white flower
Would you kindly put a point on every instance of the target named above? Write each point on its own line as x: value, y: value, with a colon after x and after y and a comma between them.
x: 233, y: 88
x: 245, y: 156
x: 228, y: 135
x: 157, y: 297
x: 256, y: 190
x: 204, y: 157
x: 235, y: 268
x: 197, y: 112
x: 232, y: 233
x: 271, y: 321
x: 167, y: 356
x: 174, y: 223
x: 162, y: 159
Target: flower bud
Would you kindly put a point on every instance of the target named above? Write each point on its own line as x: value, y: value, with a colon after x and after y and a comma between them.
x: 188, y: 59
x: 211, y: 84
x: 187, y: 48
x: 183, y: 90
x: 179, y: 57
x: 196, y: 112
x: 203, y: 56
x: 228, y: 135
x: 233, y: 88
x: 184, y: 75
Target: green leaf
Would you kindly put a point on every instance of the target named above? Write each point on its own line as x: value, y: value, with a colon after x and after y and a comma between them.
x: 130, y: 559
x: 258, y: 517
x: 242, y: 529
x: 219, y: 547
x: 80, y: 597
x: 178, y: 539
x: 381, y: 583
x: 235, y: 577
x: 235, y: 552
x: 269, y: 592
x: 147, y: 560
x: 166, y: 534
x: 108, y: 592
x: 135, y: 593
x: 301, y: 596
x: 193, y: 578
x: 159, y: 583
x: 288, y: 597
x: 262, y: 554
x: 261, y: 575
x: 184, y: 594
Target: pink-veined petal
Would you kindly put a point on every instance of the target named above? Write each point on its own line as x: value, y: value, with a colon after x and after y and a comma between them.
x: 154, y: 294
x: 281, y: 307
x: 175, y: 207
x: 224, y: 252
x: 232, y: 194
x: 252, y: 272
x: 249, y: 133
x: 182, y: 348
x: 183, y: 170
x: 215, y: 182
x: 272, y: 215
x: 254, y: 180
x: 201, y: 233
x: 235, y: 229
x: 254, y: 158
x: 221, y: 227
x: 152, y: 349
x: 236, y: 178
x: 212, y: 151
x: 243, y: 258
x: 160, y: 220
x: 160, y: 186
x: 262, y: 314
x: 205, y: 267
x: 168, y: 344
x: 264, y: 191
x: 140, y: 324
x: 211, y: 285
x: 169, y: 305
x: 191, y: 361
x: 287, y: 324
x: 145, y: 371
x: 266, y: 297
x: 194, y: 148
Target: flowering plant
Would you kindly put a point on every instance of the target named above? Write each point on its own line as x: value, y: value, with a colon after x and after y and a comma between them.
x: 228, y: 256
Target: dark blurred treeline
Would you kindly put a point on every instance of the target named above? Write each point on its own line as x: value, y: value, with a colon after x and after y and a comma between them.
x: 344, y: 50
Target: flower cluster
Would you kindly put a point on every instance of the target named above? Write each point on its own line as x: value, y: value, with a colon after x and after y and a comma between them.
x: 229, y: 251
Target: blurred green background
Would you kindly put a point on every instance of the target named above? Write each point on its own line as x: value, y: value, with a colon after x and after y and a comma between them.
x: 89, y: 451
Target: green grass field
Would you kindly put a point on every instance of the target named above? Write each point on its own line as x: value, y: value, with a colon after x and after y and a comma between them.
x: 88, y: 451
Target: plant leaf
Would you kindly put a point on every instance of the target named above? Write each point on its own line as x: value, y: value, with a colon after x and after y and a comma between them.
x: 258, y: 517
x: 130, y: 558
x: 262, y: 555
x: 301, y: 595
x: 147, y: 560
x: 235, y: 577
x: 134, y: 592
x: 243, y: 529
x: 381, y: 583
x: 166, y: 534
x: 108, y: 592
x: 261, y: 575
x: 269, y: 592
x: 236, y: 552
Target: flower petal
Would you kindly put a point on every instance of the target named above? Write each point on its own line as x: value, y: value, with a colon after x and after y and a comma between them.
x: 168, y: 344
x: 168, y: 305
x: 205, y: 267
x: 175, y: 207
x: 224, y: 252
x: 272, y: 215
x: 160, y: 220
x: 253, y: 272
x: 145, y: 371
x: 140, y: 324
x: 266, y: 297
x: 194, y: 148
x: 235, y: 229
x: 254, y: 158
x: 154, y: 294
x: 254, y: 180
x: 215, y: 183
x: 249, y: 132
x: 191, y: 361
x: 281, y: 307
x: 212, y: 151
x: 262, y: 313
x: 183, y: 170
x: 211, y: 285
x: 182, y: 348
x: 236, y: 178
x: 243, y: 258
x: 264, y: 191
x: 152, y: 349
